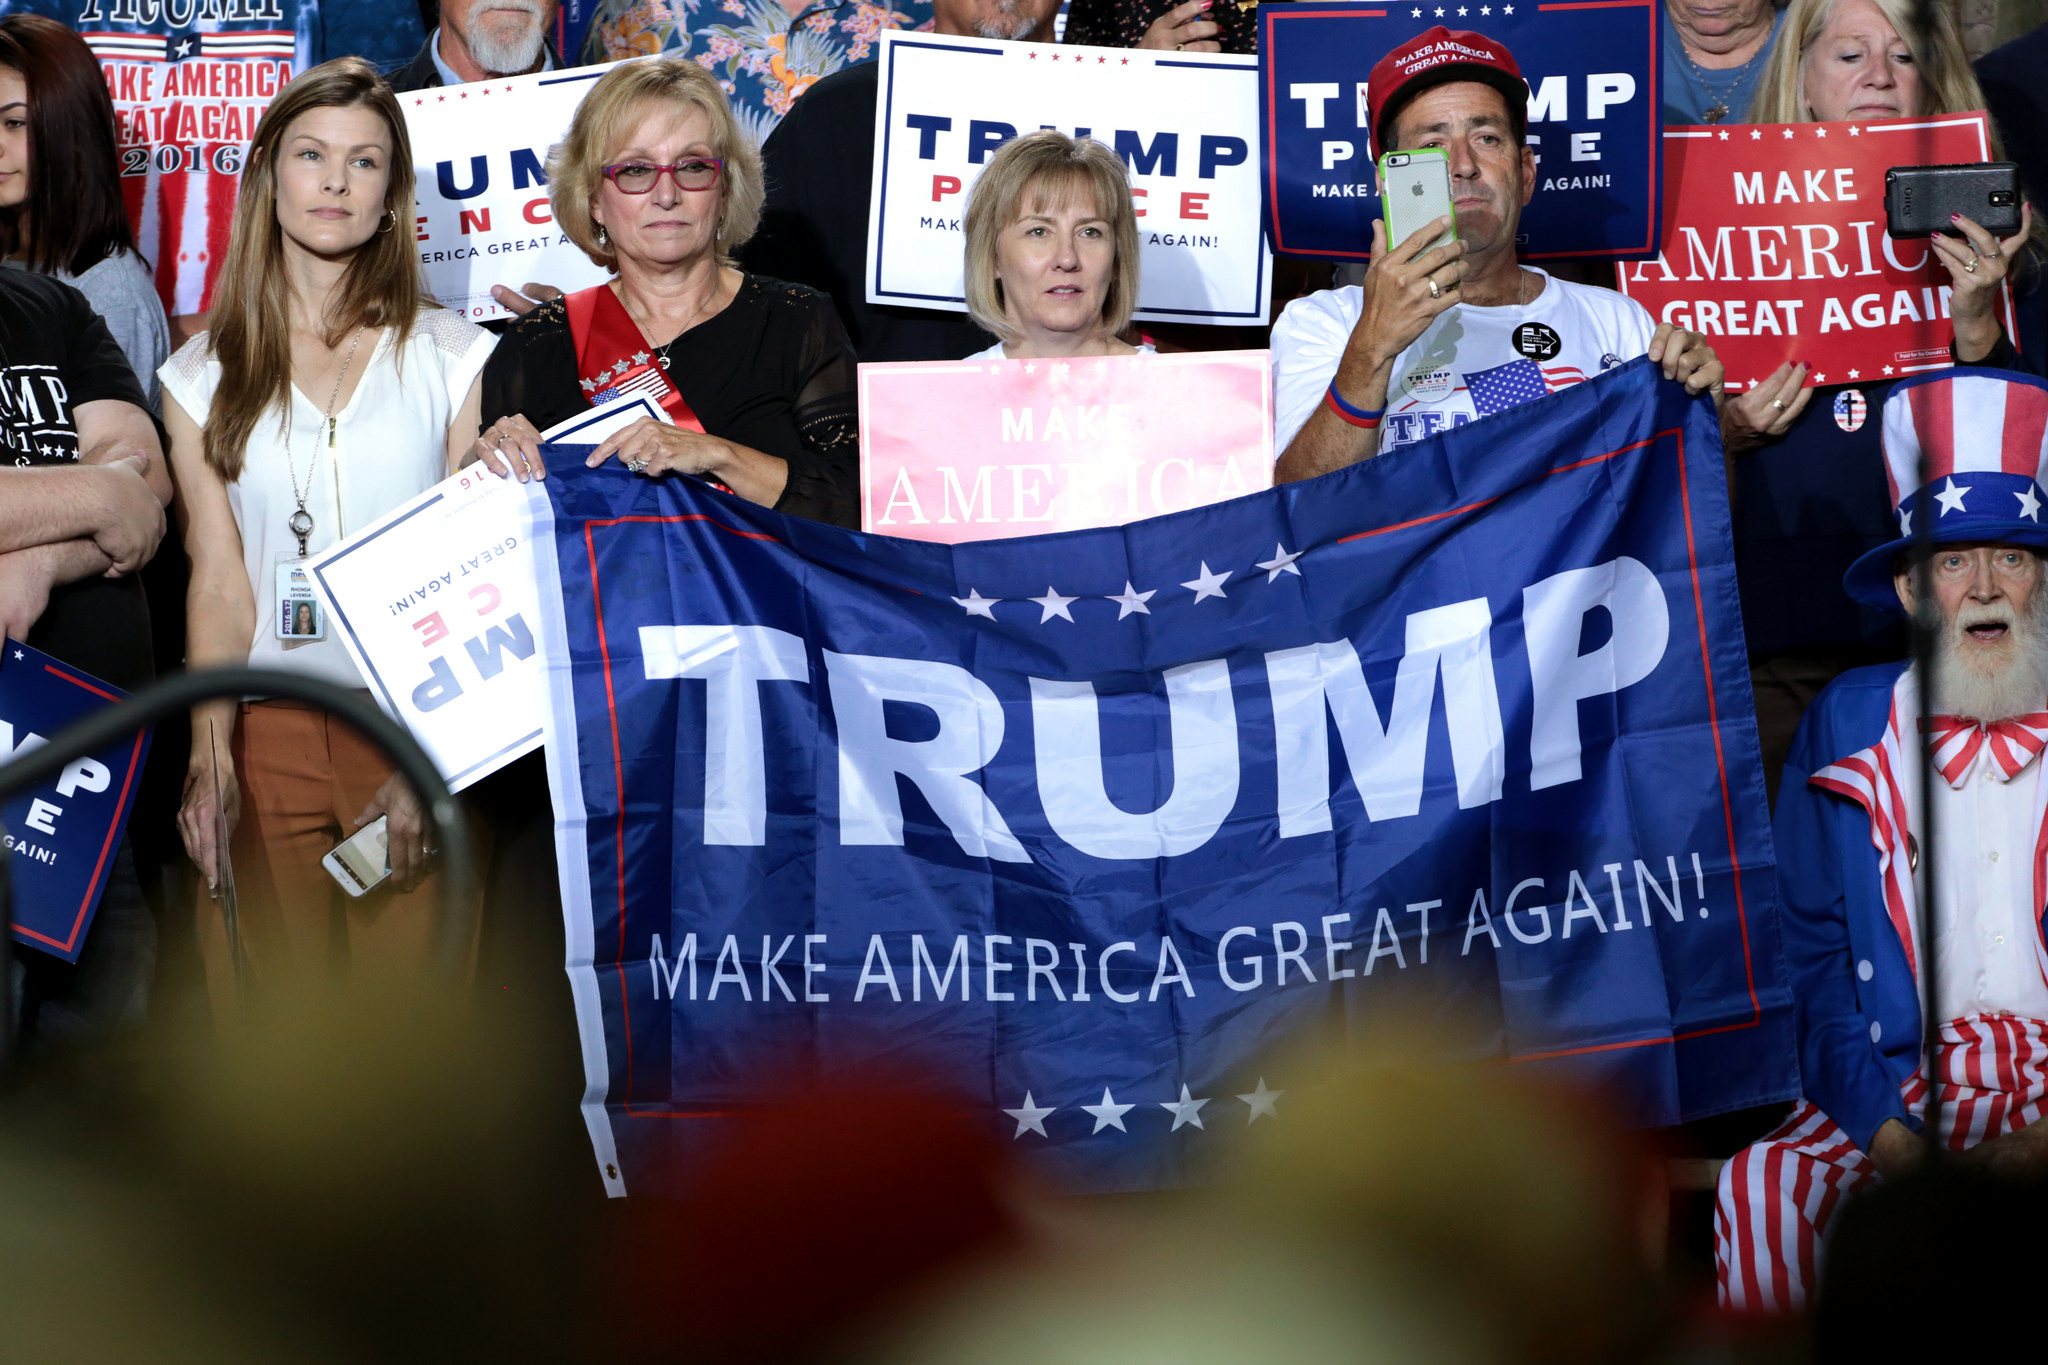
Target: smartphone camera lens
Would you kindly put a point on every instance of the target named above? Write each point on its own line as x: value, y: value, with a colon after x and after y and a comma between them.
x: 2004, y: 198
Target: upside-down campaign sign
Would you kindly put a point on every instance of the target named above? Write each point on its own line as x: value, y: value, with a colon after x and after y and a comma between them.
x: 1185, y: 125
x: 481, y: 152
x: 1592, y: 68
x: 953, y: 451
x: 61, y: 838
x: 1090, y: 822
x: 1774, y: 245
x: 435, y: 602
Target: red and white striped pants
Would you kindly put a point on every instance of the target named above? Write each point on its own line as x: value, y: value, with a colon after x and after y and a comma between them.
x: 1778, y: 1196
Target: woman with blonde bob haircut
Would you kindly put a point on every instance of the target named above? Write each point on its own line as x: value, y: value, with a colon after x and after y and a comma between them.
x: 1052, y: 249
x: 659, y: 184
x: 327, y: 393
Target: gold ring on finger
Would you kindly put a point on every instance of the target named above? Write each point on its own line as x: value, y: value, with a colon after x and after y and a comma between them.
x: 1778, y: 403
x: 1971, y: 268
x: 1434, y: 291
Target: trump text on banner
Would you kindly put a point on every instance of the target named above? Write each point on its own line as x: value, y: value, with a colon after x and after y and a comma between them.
x: 61, y: 838
x: 1592, y: 70
x: 1185, y: 125
x: 1091, y: 823
x: 483, y: 187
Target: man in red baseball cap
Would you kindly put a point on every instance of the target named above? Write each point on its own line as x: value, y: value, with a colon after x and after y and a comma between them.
x: 1438, y: 336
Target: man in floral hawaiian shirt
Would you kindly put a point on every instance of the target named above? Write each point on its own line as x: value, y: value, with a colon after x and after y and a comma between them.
x: 764, y: 52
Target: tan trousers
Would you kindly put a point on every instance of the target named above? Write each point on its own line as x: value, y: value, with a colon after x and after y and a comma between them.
x: 304, y: 778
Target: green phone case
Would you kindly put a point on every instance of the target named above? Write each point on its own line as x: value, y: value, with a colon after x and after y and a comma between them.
x: 1386, y: 218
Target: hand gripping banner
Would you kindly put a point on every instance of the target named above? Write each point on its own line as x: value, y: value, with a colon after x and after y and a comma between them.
x: 1090, y: 824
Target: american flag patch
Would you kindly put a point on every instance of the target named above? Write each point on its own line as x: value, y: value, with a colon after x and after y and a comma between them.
x: 640, y: 379
x: 1505, y: 386
x: 647, y: 380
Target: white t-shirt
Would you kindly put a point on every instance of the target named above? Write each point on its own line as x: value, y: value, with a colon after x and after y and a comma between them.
x: 390, y: 444
x: 1565, y: 335
x: 995, y: 352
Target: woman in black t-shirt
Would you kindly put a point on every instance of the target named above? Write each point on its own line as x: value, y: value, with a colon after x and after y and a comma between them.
x: 658, y: 183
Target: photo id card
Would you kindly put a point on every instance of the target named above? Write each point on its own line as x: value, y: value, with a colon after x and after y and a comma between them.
x: 297, y: 617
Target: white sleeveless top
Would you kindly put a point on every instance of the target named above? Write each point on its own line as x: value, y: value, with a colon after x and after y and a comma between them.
x: 390, y: 444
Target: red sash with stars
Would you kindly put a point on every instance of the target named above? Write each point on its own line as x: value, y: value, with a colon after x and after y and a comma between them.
x: 613, y: 359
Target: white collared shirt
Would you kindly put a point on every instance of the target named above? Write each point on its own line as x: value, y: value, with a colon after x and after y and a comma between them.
x: 1984, y: 908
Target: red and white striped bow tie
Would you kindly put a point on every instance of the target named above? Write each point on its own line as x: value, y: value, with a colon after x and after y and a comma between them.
x: 2014, y: 743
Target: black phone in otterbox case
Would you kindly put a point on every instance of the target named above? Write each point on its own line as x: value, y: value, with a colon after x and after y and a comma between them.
x: 1919, y: 200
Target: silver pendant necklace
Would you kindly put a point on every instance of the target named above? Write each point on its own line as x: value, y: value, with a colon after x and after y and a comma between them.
x: 661, y: 352
x: 300, y: 522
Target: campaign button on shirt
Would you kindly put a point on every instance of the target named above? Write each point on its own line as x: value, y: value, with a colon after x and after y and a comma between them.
x: 1538, y: 341
x: 1429, y: 386
x: 1850, y: 409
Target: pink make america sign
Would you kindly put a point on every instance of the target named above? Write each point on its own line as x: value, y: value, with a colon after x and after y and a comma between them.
x: 984, y: 449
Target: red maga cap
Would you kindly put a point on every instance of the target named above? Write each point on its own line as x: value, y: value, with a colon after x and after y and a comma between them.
x: 1434, y: 58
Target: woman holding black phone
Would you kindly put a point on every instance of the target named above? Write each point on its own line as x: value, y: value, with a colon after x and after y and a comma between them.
x: 1812, y: 496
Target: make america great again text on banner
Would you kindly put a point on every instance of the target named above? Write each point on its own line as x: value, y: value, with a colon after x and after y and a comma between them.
x: 1091, y: 825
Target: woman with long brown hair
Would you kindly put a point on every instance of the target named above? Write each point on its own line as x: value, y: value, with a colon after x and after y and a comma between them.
x: 61, y: 210
x: 328, y: 392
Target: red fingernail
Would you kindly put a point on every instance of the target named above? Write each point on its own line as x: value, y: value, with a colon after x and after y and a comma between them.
x: 1955, y: 217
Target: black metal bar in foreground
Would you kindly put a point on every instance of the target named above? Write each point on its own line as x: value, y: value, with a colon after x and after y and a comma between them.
x: 455, y: 929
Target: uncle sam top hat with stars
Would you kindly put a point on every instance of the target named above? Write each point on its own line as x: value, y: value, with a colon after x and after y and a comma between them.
x: 1985, y: 436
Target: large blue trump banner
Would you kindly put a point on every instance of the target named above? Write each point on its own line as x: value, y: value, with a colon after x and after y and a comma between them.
x: 1090, y: 824
x: 1592, y: 68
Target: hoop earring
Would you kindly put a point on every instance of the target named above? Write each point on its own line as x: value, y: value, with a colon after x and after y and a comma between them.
x: 391, y: 216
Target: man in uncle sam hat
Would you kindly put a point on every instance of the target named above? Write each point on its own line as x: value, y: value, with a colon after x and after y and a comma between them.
x: 1848, y: 848
x: 1438, y: 336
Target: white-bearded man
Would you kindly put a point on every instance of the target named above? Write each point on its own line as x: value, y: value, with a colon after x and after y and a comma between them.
x: 1848, y: 829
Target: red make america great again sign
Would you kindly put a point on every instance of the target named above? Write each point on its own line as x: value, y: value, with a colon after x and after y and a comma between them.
x: 1774, y: 247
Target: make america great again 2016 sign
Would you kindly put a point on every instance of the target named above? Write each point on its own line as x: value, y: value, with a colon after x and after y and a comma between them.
x: 1088, y: 825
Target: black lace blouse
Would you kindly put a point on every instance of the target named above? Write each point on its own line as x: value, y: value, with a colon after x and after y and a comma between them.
x: 773, y: 371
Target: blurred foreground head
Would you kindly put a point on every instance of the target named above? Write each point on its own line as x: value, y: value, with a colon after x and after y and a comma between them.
x: 362, y: 1177
x: 383, y: 1179
x: 1401, y: 1209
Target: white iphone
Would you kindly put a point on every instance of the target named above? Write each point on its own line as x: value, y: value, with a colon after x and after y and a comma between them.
x: 362, y: 860
x: 1415, y: 187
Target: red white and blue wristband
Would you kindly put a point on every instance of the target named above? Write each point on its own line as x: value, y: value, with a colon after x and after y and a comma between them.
x: 1357, y: 417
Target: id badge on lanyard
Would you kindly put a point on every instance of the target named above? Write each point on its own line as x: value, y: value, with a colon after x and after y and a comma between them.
x: 295, y: 612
